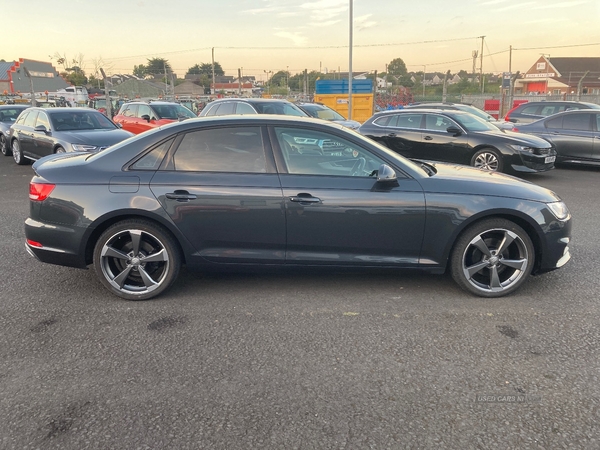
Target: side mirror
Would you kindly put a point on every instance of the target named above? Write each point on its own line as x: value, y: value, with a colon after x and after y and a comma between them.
x: 454, y: 131
x: 146, y: 117
x: 385, y: 174
x: 41, y: 128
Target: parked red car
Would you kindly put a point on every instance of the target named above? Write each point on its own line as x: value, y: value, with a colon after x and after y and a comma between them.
x: 138, y: 117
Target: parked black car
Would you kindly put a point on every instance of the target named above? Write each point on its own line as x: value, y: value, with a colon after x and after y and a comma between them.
x: 258, y: 190
x: 458, y: 137
x: 39, y: 132
x: 8, y: 116
x: 532, y: 111
x: 227, y: 106
x: 574, y: 134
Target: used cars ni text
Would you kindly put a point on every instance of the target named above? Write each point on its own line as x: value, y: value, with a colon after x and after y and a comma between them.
x: 259, y: 190
x: 458, y: 137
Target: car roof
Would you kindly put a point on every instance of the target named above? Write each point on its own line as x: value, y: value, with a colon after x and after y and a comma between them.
x: 456, y: 112
x: 252, y: 100
x: 55, y: 110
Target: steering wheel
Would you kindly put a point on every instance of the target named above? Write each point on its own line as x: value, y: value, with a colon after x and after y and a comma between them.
x: 358, y: 167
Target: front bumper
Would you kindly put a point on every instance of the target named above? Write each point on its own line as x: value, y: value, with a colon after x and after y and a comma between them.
x: 531, y: 162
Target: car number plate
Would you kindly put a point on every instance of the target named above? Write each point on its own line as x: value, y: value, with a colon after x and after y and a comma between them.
x: 550, y: 159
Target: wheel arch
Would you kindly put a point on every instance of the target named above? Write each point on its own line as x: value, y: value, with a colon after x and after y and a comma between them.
x: 103, y: 223
x: 532, y: 229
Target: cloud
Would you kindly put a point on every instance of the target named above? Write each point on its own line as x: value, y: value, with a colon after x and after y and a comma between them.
x: 515, y: 6
x: 363, y: 22
x: 296, y: 38
x: 568, y: 4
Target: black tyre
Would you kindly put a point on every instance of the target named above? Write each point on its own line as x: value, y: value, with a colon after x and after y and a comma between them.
x: 136, y: 259
x: 17, y: 154
x: 59, y: 150
x: 492, y: 258
x: 4, y: 146
x: 487, y: 159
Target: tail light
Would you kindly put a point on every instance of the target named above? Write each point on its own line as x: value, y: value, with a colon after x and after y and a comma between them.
x: 40, y: 191
x: 515, y: 129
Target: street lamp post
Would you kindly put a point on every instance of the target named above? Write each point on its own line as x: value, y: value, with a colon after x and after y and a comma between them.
x: 268, y: 82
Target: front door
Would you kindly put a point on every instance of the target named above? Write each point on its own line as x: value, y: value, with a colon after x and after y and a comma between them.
x: 337, y: 213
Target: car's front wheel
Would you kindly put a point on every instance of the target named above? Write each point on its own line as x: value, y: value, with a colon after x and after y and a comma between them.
x: 17, y: 155
x: 487, y: 159
x: 492, y: 258
x: 4, y: 146
x: 136, y: 259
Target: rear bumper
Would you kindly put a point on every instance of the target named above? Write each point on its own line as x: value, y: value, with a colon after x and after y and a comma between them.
x: 56, y: 244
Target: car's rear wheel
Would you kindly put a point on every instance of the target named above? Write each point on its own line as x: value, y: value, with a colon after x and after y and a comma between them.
x: 4, y: 146
x: 17, y: 155
x: 487, y: 159
x: 136, y: 259
x: 492, y: 258
x: 59, y: 150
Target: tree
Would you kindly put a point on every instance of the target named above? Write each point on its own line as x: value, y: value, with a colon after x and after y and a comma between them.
x: 397, y: 68
x: 140, y: 71
x: 158, y: 66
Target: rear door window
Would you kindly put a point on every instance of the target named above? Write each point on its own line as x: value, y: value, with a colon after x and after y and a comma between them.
x: 579, y: 121
x: 227, y: 149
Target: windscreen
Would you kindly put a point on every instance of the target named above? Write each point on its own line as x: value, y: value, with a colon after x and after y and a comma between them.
x: 80, y: 120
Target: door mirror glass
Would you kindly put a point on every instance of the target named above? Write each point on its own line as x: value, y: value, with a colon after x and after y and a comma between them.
x: 385, y: 174
x: 454, y: 131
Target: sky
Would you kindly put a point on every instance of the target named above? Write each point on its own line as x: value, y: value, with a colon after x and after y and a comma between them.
x: 261, y: 37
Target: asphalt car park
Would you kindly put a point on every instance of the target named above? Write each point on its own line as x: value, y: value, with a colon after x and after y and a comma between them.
x: 300, y: 360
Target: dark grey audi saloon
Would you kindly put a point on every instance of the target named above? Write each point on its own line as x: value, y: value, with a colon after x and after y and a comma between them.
x: 265, y: 191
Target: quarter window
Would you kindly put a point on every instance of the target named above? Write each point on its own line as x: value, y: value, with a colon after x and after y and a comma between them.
x: 244, y: 108
x: 231, y: 149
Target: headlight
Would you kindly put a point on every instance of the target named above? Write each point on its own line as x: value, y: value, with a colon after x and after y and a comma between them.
x: 559, y: 209
x: 521, y: 148
x: 83, y: 147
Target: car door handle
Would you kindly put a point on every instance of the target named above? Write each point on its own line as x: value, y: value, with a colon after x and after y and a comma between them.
x: 428, y: 138
x: 180, y: 196
x: 305, y: 198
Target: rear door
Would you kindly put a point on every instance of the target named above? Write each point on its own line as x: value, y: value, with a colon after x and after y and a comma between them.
x: 220, y: 188
x: 400, y: 132
x: 573, y: 134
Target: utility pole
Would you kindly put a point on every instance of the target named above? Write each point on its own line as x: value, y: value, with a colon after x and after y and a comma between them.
x: 28, y: 75
x: 445, y: 86
x: 424, y: 69
x: 581, y: 84
x: 481, y: 65
x: 109, y: 111
x: 350, y: 62
x: 240, y: 82
x: 213, y: 70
